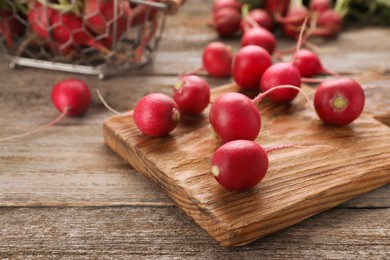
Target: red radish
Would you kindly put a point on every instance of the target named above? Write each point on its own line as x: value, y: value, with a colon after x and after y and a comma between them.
x: 66, y: 28
x: 249, y: 65
x: 69, y: 27
x: 191, y: 94
x: 226, y: 22
x: 260, y: 37
x: 281, y: 74
x: 309, y: 64
x: 291, y: 23
x: 219, y: 4
x: 102, y: 18
x: 239, y: 165
x: 217, y: 60
x: 329, y: 24
x: 319, y: 5
x: 10, y: 27
x: 234, y: 116
x: 71, y: 96
x: 258, y: 16
x: 277, y: 7
x: 156, y: 115
x: 39, y: 18
x: 339, y: 102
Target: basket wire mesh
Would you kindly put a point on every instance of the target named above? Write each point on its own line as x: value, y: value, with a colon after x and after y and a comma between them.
x: 101, y: 37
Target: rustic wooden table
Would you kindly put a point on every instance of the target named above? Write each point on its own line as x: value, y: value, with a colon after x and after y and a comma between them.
x: 64, y: 194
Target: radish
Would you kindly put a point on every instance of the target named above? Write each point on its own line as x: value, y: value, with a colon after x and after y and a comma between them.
x: 249, y: 65
x: 102, y: 18
x: 277, y: 7
x: 219, y: 4
x: 234, y: 116
x: 309, y: 64
x: 339, y: 102
x: 239, y: 165
x: 281, y: 74
x: 226, y: 22
x: 291, y: 23
x: 329, y: 24
x: 71, y: 97
x: 217, y: 60
x: 191, y: 94
x: 257, y: 17
x: 10, y: 27
x: 260, y: 37
x: 319, y: 5
x: 66, y: 28
x: 39, y: 18
x: 156, y: 115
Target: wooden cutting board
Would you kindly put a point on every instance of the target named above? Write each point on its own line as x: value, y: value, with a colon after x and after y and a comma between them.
x: 335, y: 165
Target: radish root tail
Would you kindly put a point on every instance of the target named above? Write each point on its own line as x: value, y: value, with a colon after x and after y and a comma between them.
x: 51, y: 123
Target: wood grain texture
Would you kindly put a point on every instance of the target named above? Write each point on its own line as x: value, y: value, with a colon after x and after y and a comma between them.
x: 167, y: 233
x: 336, y: 165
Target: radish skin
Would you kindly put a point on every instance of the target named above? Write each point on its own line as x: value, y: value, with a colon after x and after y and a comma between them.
x: 239, y: 165
x: 339, y: 102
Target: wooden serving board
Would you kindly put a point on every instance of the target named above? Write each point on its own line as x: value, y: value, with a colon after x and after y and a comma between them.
x: 335, y: 165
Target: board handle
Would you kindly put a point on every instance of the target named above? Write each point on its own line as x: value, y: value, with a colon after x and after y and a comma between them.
x: 173, y: 5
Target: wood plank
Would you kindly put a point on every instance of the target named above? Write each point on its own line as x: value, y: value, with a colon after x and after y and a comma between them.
x: 300, y: 184
x: 167, y: 233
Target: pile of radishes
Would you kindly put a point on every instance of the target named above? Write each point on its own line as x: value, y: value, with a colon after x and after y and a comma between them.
x: 70, y: 28
x: 233, y: 17
x: 240, y: 163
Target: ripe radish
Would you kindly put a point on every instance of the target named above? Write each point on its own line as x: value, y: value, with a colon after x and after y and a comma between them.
x: 66, y: 28
x: 71, y: 97
x: 102, y: 18
x: 257, y: 17
x: 319, y: 5
x: 277, y: 7
x: 339, y: 102
x: 234, y: 116
x: 239, y: 165
x: 249, y: 65
x: 217, y: 60
x: 329, y: 24
x: 10, y: 27
x: 191, y: 94
x: 39, y: 18
x: 309, y: 64
x: 226, y: 22
x: 156, y: 115
x: 219, y: 4
x: 260, y: 37
x: 291, y: 23
x: 283, y: 73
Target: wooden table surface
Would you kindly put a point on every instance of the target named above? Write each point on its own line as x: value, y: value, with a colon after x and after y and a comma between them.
x: 64, y: 194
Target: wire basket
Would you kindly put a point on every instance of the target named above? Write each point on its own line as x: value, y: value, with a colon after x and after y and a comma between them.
x: 96, y: 37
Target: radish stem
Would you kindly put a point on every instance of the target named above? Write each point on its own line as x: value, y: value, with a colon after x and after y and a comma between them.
x: 260, y: 96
